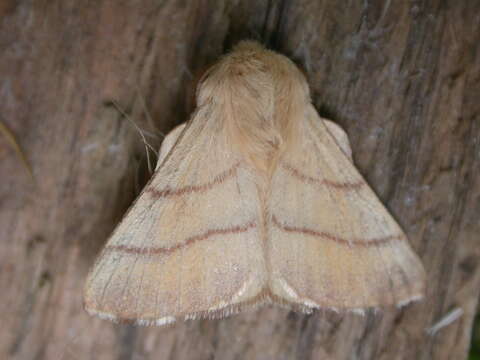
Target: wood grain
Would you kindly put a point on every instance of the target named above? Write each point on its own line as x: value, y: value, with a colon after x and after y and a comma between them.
x: 401, y: 77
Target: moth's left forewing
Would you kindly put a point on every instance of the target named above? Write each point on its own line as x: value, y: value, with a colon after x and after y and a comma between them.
x: 189, y: 246
x: 331, y: 241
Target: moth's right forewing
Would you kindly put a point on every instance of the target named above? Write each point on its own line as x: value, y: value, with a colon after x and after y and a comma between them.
x: 331, y: 242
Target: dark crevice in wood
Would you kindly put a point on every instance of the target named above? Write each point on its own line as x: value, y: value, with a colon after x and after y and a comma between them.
x: 127, y: 339
x: 306, y: 336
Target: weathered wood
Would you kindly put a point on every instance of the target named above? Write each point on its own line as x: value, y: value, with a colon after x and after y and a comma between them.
x: 402, y: 78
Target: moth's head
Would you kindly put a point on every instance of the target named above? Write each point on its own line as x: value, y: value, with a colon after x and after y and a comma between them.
x: 250, y: 64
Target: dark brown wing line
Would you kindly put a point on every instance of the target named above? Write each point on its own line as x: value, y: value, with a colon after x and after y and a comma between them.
x: 187, y: 242
x: 354, y: 242
x: 220, y: 178
x: 309, y: 179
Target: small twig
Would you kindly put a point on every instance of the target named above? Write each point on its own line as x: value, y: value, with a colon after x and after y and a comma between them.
x: 448, y: 319
x: 145, y: 109
x: 145, y: 142
x: 13, y: 142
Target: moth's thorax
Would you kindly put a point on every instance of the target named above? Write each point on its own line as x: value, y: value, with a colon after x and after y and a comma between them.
x: 258, y: 96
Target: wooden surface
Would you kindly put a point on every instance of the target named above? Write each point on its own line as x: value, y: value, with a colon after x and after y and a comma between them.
x: 402, y: 78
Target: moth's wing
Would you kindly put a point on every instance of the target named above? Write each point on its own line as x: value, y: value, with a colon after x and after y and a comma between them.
x: 332, y: 243
x: 339, y: 136
x: 189, y: 246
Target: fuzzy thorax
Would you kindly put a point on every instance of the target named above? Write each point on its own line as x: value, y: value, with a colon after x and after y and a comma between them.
x: 257, y: 96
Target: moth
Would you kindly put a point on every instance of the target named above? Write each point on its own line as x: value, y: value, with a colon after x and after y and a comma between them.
x: 255, y: 200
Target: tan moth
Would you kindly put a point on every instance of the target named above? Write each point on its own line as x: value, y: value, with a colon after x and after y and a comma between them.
x: 255, y: 200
